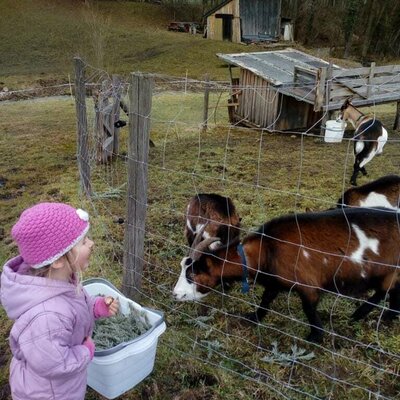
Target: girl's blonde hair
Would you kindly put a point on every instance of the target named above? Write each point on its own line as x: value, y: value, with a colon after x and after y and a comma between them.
x: 76, y: 274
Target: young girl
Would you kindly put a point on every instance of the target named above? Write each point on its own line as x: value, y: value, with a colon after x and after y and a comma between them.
x: 54, y: 316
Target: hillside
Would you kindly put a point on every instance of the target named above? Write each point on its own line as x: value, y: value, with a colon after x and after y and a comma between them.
x: 40, y: 39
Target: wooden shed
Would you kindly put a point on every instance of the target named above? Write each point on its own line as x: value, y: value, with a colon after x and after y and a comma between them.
x: 244, y: 20
x: 291, y: 90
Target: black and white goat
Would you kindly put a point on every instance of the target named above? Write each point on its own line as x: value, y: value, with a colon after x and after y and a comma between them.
x: 383, y: 192
x: 211, y: 215
x: 369, y: 137
x: 349, y: 250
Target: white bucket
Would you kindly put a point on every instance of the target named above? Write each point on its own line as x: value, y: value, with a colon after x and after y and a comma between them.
x: 334, y: 131
x: 114, y: 371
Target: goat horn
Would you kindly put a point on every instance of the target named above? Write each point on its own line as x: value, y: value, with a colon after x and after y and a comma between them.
x: 202, y: 247
x: 198, y: 236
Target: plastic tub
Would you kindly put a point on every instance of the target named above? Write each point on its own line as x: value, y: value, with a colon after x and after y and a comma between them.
x: 114, y: 371
x: 334, y: 131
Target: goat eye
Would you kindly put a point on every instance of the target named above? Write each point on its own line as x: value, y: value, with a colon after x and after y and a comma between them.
x: 190, y: 275
x: 188, y: 262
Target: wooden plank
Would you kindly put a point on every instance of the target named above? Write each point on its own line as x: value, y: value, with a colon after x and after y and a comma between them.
x: 354, y: 82
x: 340, y: 91
x: 352, y: 72
x: 373, y: 100
x: 303, y: 74
x: 386, y: 80
x: 320, y: 88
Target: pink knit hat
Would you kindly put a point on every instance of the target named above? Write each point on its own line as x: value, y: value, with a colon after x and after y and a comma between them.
x: 47, y: 231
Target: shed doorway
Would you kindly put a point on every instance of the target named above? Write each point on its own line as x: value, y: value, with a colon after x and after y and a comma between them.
x: 226, y: 29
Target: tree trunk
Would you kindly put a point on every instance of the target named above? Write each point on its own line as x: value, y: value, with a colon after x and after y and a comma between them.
x: 376, y: 9
x: 352, y: 13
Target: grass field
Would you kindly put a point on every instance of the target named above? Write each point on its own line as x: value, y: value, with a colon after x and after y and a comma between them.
x: 206, y: 347
x: 207, y: 352
x: 120, y: 37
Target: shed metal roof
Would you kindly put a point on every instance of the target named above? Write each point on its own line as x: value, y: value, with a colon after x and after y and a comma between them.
x: 275, y: 66
x: 216, y: 8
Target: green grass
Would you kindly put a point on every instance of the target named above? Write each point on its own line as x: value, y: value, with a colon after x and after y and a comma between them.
x: 120, y: 37
x: 266, y: 176
x: 206, y: 353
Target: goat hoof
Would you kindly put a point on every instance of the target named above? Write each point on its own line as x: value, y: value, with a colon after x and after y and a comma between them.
x: 315, y: 337
x: 251, y: 317
x: 390, y: 315
x: 357, y: 316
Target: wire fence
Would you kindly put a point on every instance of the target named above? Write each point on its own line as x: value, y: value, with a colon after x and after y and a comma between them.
x: 266, y: 175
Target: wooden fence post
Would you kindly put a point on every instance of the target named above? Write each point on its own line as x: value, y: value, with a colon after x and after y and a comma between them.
x: 82, y: 131
x: 370, y: 79
x: 140, y: 96
x: 206, y: 102
x: 327, y: 93
x: 396, y: 124
x: 320, y: 89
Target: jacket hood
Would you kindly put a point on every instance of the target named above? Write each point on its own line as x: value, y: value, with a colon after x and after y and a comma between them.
x: 20, y: 292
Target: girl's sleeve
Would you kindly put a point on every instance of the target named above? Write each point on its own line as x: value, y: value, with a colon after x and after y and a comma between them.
x: 92, y: 300
x: 47, y: 349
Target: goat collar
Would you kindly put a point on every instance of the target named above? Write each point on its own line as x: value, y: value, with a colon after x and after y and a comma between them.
x: 245, y: 280
x: 360, y: 117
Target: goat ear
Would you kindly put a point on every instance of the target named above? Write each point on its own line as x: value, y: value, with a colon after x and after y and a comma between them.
x: 346, y: 103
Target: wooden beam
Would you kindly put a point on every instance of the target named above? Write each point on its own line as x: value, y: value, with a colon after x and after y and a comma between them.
x: 320, y: 93
x: 370, y: 78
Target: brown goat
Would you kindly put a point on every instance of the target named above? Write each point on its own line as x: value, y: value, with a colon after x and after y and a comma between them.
x: 217, y: 214
x: 347, y: 250
x: 383, y: 192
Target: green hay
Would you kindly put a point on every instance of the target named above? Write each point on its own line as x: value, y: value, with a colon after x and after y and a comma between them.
x: 112, y: 331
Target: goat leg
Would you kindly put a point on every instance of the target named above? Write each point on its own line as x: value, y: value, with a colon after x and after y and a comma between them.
x: 365, y: 308
x: 270, y: 292
x: 310, y: 309
x: 394, y: 304
x: 353, y: 179
x: 364, y: 171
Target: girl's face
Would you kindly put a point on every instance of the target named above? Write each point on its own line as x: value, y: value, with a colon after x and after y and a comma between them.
x: 81, y: 253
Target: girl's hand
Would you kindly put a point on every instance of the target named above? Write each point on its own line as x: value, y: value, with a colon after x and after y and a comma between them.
x: 112, y: 304
x: 88, y: 342
x: 105, y: 307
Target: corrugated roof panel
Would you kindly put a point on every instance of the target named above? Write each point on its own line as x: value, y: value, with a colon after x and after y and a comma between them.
x: 274, y: 66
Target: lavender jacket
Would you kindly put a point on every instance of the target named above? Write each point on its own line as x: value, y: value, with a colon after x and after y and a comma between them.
x: 51, y: 319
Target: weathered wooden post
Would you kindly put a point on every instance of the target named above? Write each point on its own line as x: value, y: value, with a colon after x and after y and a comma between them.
x: 370, y: 80
x: 325, y: 97
x: 140, y: 96
x: 396, y: 124
x: 206, y: 102
x: 82, y: 131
